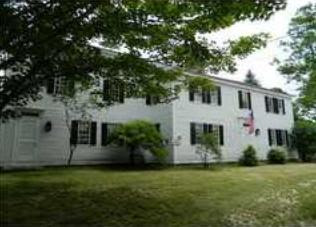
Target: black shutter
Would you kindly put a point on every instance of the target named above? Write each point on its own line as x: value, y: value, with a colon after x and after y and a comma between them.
x: 205, y: 128
x: 74, y: 132
x: 270, y: 137
x: 104, y: 134
x: 191, y: 94
x: 283, y: 106
x: 50, y: 86
x: 71, y: 86
x: 210, y: 128
x: 193, y: 133
x: 106, y: 91
x: 266, y: 99
x: 93, y: 133
x: 275, y: 105
x: 221, y: 135
x: 249, y: 100
x: 204, y: 92
x: 148, y: 100
x: 219, y: 96
x: 240, y: 99
x: 279, y: 137
x: 208, y: 97
x: 287, y: 138
x: 121, y: 92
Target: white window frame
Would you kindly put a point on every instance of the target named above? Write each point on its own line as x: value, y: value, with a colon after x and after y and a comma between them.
x: 84, y: 132
x: 270, y: 105
x: 59, y: 85
x: 199, y: 131
x: 214, y: 97
x: 245, y: 100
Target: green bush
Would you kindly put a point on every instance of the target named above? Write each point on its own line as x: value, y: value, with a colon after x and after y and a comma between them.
x: 276, y: 156
x: 139, y: 134
x: 304, y: 139
x: 249, y: 157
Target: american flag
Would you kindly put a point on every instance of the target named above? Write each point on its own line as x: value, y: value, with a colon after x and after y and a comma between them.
x: 250, y: 123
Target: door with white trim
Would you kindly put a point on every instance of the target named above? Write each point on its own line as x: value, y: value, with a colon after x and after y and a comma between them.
x: 27, y: 139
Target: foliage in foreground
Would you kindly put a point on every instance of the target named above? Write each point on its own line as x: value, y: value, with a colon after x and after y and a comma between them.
x: 249, y: 157
x: 209, y: 148
x: 52, y: 38
x: 305, y: 139
x: 276, y: 156
x: 300, y: 66
x: 137, y: 135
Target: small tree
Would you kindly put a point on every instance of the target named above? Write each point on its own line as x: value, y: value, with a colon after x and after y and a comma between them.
x: 208, y: 147
x: 139, y: 134
x: 249, y: 157
x: 251, y: 79
x: 76, y: 104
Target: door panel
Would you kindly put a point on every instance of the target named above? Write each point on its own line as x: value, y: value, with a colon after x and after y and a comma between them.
x: 27, y: 139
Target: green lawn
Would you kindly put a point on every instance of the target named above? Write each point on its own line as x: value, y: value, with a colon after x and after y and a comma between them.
x: 180, y: 196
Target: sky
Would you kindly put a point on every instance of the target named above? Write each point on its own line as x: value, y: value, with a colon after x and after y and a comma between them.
x: 260, y: 62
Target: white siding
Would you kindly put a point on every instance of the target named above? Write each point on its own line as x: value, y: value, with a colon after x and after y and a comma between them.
x: 174, y: 119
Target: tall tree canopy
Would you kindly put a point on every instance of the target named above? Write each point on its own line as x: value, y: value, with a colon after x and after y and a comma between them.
x: 43, y: 39
x: 251, y: 79
x: 300, y: 65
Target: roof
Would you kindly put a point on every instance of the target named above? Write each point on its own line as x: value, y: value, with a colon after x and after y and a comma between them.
x: 112, y: 52
x: 246, y: 86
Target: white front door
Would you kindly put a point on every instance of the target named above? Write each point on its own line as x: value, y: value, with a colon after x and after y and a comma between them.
x: 26, y: 146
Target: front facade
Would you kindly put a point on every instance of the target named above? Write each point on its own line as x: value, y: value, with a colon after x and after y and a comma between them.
x: 41, y: 136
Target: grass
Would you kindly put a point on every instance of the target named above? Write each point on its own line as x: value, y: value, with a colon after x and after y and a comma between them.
x: 274, y: 195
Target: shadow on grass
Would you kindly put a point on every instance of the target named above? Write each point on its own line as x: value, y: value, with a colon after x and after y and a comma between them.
x: 62, y: 204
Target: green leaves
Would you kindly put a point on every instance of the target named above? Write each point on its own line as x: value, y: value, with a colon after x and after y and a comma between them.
x: 300, y: 65
x: 248, y: 44
x: 52, y: 38
x: 140, y: 134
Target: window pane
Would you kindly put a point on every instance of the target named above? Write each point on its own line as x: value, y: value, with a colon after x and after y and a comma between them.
x: 83, y: 132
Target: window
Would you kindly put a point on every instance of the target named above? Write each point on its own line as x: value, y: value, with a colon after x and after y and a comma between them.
x: 274, y: 105
x: 206, y: 96
x: 113, y: 91
x: 83, y: 132
x: 198, y: 129
x: 107, y: 130
x: 278, y: 137
x: 57, y: 86
x: 244, y: 100
x: 152, y: 100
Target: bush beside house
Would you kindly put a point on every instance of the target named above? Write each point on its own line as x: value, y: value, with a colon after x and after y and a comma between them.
x: 276, y: 156
x: 249, y: 157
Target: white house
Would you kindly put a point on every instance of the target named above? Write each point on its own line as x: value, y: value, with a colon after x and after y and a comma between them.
x: 40, y: 136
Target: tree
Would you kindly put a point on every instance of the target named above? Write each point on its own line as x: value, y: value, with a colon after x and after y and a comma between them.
x: 208, y: 147
x: 139, y: 134
x: 44, y: 39
x: 304, y: 139
x: 251, y: 79
x: 74, y: 105
x: 300, y: 65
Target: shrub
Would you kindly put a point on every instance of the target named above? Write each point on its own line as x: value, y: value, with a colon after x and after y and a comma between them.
x: 249, y: 157
x: 276, y: 156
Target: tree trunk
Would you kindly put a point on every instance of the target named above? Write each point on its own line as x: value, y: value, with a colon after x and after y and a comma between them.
x: 72, y: 149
